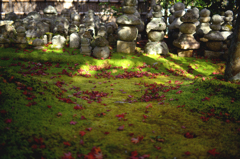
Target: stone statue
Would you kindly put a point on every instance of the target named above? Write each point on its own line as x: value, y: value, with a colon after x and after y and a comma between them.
x: 127, y: 30
x: 215, y: 38
x: 186, y: 43
x: 101, y: 50
x: 155, y: 30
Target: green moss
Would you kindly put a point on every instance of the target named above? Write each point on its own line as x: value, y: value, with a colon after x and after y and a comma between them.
x: 164, y: 120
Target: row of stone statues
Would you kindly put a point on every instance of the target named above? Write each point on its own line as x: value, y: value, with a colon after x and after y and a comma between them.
x: 187, y: 30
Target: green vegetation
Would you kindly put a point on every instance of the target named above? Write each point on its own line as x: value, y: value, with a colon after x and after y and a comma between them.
x: 60, y: 104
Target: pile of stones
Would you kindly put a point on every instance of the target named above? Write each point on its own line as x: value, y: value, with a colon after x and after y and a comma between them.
x: 127, y: 30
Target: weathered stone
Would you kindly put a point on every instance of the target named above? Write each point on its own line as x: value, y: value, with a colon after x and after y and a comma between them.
x: 185, y: 53
x: 155, y: 36
x: 101, y: 52
x: 11, y: 16
x: 186, y: 42
x: 126, y: 47
x: 45, y: 40
x: 156, y: 24
x: 215, y: 27
x: 187, y: 28
x: 85, y: 41
x: 50, y: 10
x: 214, y: 36
x: 214, y: 45
x: 34, y: 15
x: 226, y: 34
x: 189, y: 17
x: 101, y: 42
x: 204, y: 19
x: 58, y: 41
x: 129, y: 19
x: 20, y: 29
x: 129, y: 2
x: 74, y: 41
x: 203, y: 29
x: 129, y: 9
x: 205, y: 13
x: 177, y: 21
x: 212, y: 54
x: 156, y: 48
x: 127, y: 33
x: 38, y: 44
x: 179, y: 6
x: 217, y: 19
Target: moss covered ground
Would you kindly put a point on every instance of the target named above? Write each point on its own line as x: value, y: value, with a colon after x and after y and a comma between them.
x: 60, y: 104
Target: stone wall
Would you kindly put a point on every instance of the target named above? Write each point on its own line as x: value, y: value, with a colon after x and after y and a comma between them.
x: 23, y: 7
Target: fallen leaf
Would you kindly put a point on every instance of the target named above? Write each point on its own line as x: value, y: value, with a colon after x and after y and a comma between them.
x: 121, y: 127
x: 82, y: 133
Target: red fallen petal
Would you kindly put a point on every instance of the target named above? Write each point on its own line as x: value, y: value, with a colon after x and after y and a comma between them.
x: 157, y: 147
x: 8, y: 121
x: 213, y: 152
x: 67, y: 143
x: 134, y: 153
x: 89, y: 129
x: 82, y: 133
x: 187, y: 153
x: 42, y: 147
x: 145, y: 117
x: 106, y: 132
x: 131, y: 134
x: 49, y: 106
x: 82, y: 118
x: 34, y: 146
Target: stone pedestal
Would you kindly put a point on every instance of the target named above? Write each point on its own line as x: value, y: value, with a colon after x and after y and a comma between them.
x: 185, y: 53
x: 126, y: 46
x: 213, y: 54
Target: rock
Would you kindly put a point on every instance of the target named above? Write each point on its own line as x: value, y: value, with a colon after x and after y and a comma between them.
x: 50, y: 10
x: 212, y: 54
x: 156, y: 48
x: 186, y: 42
x: 156, y: 36
x: 101, y: 42
x: 129, y: 9
x: 189, y: 17
x: 58, y: 41
x: 185, y: 53
x: 125, y: 47
x: 127, y: 33
x: 187, y: 28
x: 34, y: 15
x: 214, y: 36
x: 101, y: 52
x: 38, y: 44
x: 45, y: 40
x: 74, y: 40
x: 214, y: 45
x: 11, y: 16
x: 129, y: 19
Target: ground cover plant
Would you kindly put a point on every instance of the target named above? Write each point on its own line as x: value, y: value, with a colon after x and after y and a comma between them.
x: 60, y: 104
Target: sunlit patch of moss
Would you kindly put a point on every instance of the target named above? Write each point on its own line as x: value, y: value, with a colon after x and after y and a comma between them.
x: 164, y: 120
